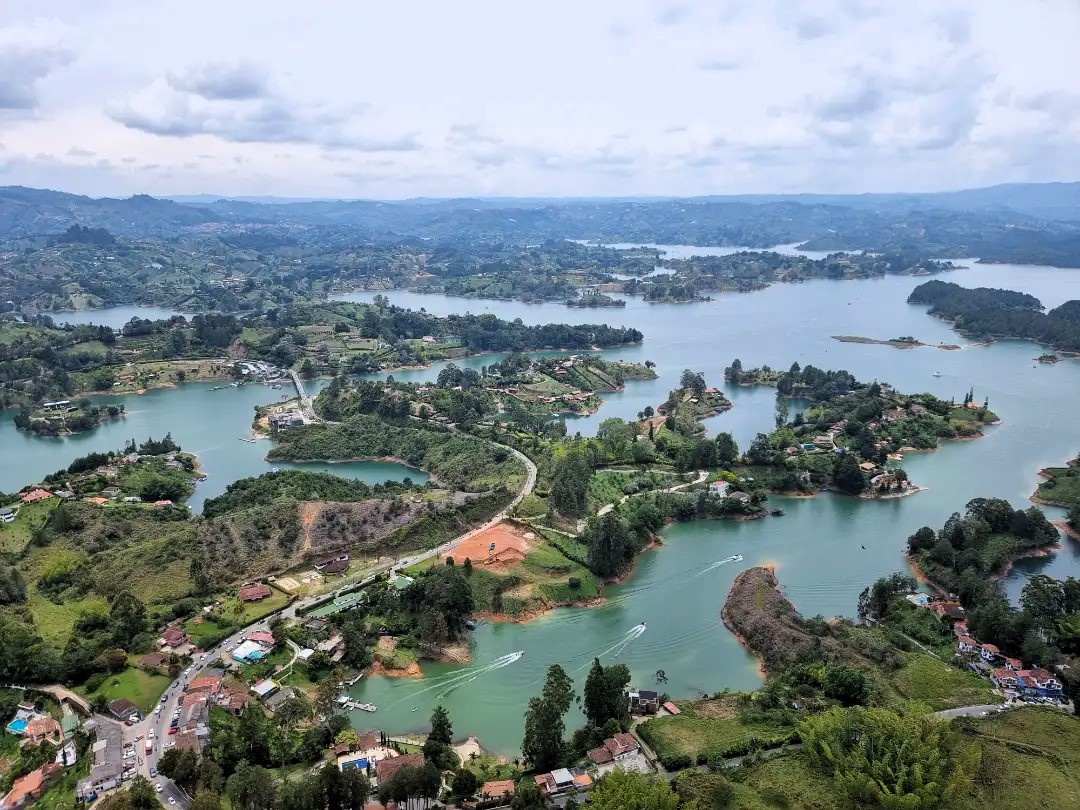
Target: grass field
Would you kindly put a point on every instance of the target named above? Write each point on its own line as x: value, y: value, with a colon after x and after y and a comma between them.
x: 1013, y: 776
x: 1061, y: 486
x: 706, y: 727
x: 136, y: 685
x: 55, y: 622
x: 208, y: 631
x: 786, y: 781
x: 14, y: 536
x: 940, y: 686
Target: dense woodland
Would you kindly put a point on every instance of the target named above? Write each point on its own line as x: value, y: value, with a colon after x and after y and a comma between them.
x: 987, y: 313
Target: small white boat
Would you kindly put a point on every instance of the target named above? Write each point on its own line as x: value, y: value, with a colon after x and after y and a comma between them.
x: 937, y: 373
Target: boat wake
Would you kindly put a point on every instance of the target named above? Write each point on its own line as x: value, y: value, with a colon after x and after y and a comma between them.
x: 718, y: 563
x: 633, y: 633
x: 451, y: 681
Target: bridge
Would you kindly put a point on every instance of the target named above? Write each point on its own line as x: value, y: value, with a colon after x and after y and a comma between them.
x: 307, y: 408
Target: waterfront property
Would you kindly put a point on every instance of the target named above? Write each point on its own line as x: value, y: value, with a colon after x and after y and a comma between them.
x: 502, y: 543
x: 643, y: 701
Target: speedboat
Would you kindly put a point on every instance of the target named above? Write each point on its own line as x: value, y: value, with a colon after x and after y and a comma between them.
x: 937, y: 373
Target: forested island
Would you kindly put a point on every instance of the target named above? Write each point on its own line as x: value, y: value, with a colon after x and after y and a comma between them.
x: 987, y: 313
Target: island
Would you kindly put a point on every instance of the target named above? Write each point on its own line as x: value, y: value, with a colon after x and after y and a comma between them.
x: 987, y: 314
x: 905, y: 342
x: 64, y: 417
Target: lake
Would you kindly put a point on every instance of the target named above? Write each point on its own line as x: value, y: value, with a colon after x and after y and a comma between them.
x: 827, y: 549
x: 113, y: 317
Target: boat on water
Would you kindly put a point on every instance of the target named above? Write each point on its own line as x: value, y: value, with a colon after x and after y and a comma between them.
x: 245, y: 439
x: 937, y: 373
x: 776, y: 512
x: 736, y: 558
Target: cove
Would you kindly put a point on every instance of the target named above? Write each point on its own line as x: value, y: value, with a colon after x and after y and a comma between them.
x: 113, y: 317
x: 207, y: 423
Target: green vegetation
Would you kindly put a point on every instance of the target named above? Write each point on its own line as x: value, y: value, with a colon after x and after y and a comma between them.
x: 29, y: 517
x: 716, y: 728
x: 295, y: 485
x: 988, y: 313
x: 137, y: 685
x: 1061, y: 486
x: 456, y: 460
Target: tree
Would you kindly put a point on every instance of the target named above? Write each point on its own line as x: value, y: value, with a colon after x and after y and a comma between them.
x: 142, y: 794
x: 727, y: 451
x: 465, y: 783
x: 442, y: 730
x: 693, y: 381
x: 608, y: 539
x: 543, y: 745
x: 252, y: 788
x: 527, y: 796
x: 127, y: 617
x: 206, y: 800
x: 604, y: 694
x: 847, y: 476
x: 923, y: 539
x: 845, y: 684
x: 628, y: 790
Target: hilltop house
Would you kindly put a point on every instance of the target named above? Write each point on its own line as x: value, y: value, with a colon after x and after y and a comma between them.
x: 614, y: 750
x: 7, y: 515
x: 1038, y: 682
x: 989, y: 652
x: 173, y: 637
x: 26, y: 790
x: 966, y: 644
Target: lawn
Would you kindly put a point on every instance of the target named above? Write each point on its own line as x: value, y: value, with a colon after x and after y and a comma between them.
x: 1062, y: 485
x: 489, y: 768
x: 938, y: 685
x: 707, y: 727
x: 14, y: 536
x: 136, y: 685
x: 62, y: 794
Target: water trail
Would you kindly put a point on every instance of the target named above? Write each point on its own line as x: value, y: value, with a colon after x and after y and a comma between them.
x: 509, y: 659
x: 461, y: 677
x: 634, y: 634
x: 718, y: 563
x: 626, y: 638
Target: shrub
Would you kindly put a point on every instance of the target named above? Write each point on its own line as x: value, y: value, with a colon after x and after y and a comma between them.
x: 94, y: 682
x: 574, y: 582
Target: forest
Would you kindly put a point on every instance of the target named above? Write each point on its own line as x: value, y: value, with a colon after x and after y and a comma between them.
x: 986, y: 313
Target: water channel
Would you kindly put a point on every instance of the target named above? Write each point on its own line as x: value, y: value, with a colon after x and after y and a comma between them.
x: 818, y: 546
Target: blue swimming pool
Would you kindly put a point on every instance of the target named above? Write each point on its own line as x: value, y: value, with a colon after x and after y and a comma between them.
x: 17, y: 726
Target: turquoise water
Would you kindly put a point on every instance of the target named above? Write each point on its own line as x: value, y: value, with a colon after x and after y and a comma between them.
x: 817, y: 545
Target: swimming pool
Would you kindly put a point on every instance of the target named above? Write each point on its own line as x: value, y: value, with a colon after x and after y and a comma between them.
x: 18, y: 726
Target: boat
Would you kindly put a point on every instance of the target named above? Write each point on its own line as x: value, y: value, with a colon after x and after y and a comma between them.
x: 776, y: 512
x: 937, y: 373
x: 244, y: 439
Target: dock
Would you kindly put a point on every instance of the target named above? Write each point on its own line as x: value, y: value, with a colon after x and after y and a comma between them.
x: 349, y: 703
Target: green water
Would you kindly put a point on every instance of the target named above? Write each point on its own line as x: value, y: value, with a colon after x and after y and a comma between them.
x: 817, y: 546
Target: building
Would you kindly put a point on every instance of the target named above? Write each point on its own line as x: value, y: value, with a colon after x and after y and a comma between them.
x: 601, y: 756
x: 1038, y: 682
x: 286, y: 420
x: 43, y: 729
x: 173, y: 637
x: 386, y: 768
x: 989, y: 652
x: 333, y: 565
x: 23, y: 715
x: 152, y: 660
x: 644, y: 701
x: 671, y: 708
x: 255, y: 593
x: 502, y: 543
x: 7, y: 515
x: 35, y: 495
x: 112, y: 493
x: 329, y: 645
x: 1015, y: 664
x: 123, y: 709
x: 1003, y: 678
x: 208, y: 685
x: 262, y: 637
x: 558, y: 781
x: 108, y: 751
x: 248, y: 652
x: 966, y: 644
x: 497, y: 789
x: 28, y: 789
x: 263, y: 689
x: 718, y: 488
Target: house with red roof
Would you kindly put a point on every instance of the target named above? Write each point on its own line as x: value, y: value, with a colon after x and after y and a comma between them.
x: 28, y: 789
x: 1038, y: 682
x: 1014, y: 664
x: 261, y: 637
x: 1003, y: 678
x: 967, y: 644
x: 173, y: 637
x: 255, y: 593
x: 989, y: 652
x: 35, y: 495
x: 386, y: 768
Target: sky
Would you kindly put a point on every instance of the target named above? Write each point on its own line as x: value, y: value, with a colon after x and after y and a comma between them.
x: 522, y: 98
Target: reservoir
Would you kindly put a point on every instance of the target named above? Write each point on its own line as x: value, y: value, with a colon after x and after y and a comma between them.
x: 817, y: 546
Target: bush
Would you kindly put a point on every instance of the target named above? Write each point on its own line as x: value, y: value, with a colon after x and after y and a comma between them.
x: 574, y: 582
x: 94, y: 682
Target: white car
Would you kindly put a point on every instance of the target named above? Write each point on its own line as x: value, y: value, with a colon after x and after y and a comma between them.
x: 157, y: 711
x: 150, y: 734
x: 172, y: 800
x: 158, y: 787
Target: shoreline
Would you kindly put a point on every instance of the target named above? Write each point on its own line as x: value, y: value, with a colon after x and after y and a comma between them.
x: 1067, y: 529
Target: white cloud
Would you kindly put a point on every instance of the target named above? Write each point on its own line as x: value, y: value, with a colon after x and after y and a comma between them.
x: 686, y: 97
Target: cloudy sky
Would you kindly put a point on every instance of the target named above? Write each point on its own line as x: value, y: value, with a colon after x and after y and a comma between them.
x: 553, y: 97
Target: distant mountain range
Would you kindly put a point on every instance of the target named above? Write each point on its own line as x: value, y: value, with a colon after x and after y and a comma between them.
x: 1039, y: 221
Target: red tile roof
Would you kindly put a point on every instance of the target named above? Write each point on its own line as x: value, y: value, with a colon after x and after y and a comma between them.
x: 252, y: 593
x: 386, y: 768
x: 601, y: 755
x: 497, y: 788
x: 36, y: 495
